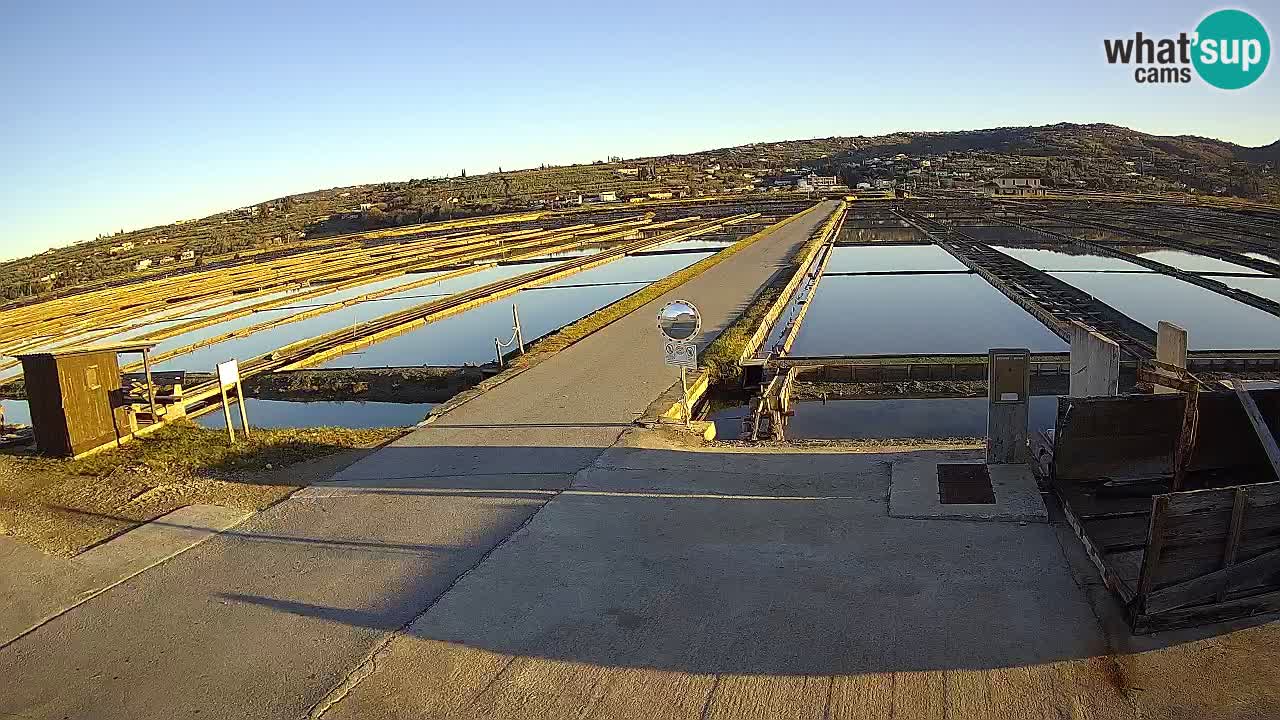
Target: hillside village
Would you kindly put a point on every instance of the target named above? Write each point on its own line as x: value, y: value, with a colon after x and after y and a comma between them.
x: 1057, y: 158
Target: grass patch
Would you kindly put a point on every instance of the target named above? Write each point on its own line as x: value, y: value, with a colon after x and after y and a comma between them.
x: 64, y: 506
x: 721, y: 357
x: 187, y: 447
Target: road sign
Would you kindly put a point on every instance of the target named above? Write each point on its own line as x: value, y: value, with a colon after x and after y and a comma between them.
x: 679, y: 320
x: 228, y: 373
x: 229, y: 379
x: 680, y: 354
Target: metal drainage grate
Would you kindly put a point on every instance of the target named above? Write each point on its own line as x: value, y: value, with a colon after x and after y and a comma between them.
x: 965, y: 484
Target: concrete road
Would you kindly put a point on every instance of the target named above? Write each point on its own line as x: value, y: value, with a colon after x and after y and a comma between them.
x: 749, y: 586
x: 763, y: 584
x: 533, y: 555
x: 265, y: 620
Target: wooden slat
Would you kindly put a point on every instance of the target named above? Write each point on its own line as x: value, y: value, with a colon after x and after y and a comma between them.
x: 1260, y: 427
x: 1211, y: 585
x: 1155, y: 544
x: 1233, y: 537
x: 1204, y: 614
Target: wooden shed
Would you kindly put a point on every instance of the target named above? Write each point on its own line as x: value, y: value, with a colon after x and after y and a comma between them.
x: 76, y: 402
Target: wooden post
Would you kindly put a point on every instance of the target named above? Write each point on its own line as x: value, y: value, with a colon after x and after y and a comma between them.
x: 1260, y: 427
x: 226, y: 414
x: 684, y: 396
x: 1171, y: 349
x: 1234, y: 532
x: 1187, y: 438
x: 151, y: 388
x: 244, y: 414
x: 1155, y: 547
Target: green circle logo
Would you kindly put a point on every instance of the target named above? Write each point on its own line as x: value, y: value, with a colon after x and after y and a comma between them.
x: 1232, y: 49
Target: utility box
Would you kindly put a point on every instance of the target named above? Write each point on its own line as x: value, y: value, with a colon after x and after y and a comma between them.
x: 1008, y: 394
x: 75, y: 398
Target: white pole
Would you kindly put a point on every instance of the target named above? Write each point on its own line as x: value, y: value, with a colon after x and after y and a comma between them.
x: 515, y: 318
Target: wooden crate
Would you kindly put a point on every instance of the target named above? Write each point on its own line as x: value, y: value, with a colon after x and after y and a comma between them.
x: 1175, y: 559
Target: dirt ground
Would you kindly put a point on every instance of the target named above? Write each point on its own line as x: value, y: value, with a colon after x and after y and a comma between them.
x: 64, y: 507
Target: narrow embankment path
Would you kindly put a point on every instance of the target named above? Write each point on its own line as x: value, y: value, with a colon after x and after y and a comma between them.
x: 266, y: 620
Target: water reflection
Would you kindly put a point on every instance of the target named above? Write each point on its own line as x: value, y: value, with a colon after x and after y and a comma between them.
x: 346, y: 414
x: 347, y: 317
x: 891, y: 258
x: 1192, y: 262
x: 1058, y: 260
x: 1263, y: 287
x: 16, y: 412
x: 1213, y: 321
x: 924, y: 418
x: 916, y: 314
x: 467, y: 338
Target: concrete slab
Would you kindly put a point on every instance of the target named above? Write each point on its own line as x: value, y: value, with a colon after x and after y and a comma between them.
x: 631, y: 604
x: 913, y: 493
x: 259, y: 621
x: 36, y: 587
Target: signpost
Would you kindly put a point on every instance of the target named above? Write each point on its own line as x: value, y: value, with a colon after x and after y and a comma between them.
x: 228, y: 378
x: 679, y: 322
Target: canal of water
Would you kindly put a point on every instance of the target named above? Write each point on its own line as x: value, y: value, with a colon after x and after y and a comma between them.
x: 467, y: 338
x: 929, y: 418
x: 16, y: 412
x: 1212, y: 321
x: 891, y: 258
x: 345, y: 414
x: 907, y: 314
x: 1058, y: 261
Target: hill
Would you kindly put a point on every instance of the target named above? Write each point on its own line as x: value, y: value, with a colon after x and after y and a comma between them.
x: 1097, y: 156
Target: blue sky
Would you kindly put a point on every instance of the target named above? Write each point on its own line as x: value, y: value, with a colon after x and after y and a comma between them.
x: 123, y: 115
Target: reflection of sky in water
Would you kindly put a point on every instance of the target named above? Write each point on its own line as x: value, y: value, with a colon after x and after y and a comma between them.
x: 692, y: 244
x: 884, y: 419
x: 347, y: 414
x: 265, y: 341
x: 1055, y: 260
x: 891, y: 258
x: 468, y: 337
x: 16, y: 412
x: 916, y: 314
x: 1263, y: 287
x: 1192, y: 262
x: 1212, y: 321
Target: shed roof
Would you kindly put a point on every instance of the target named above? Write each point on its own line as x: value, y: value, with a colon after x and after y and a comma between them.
x: 90, y: 349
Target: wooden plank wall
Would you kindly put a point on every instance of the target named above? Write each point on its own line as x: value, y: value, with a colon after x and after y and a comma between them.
x: 1212, y: 554
x: 1135, y: 435
x: 95, y: 414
